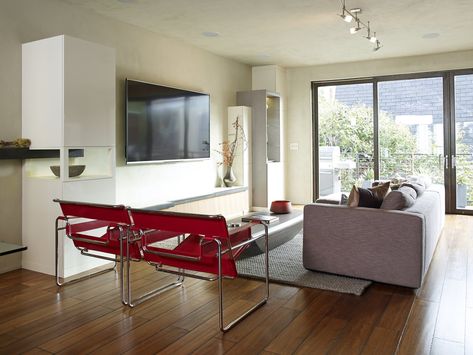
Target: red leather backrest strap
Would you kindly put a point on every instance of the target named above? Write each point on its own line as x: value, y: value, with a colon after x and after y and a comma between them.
x: 110, y: 213
x: 182, y: 223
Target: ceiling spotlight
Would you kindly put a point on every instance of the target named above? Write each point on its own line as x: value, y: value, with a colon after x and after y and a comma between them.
x: 356, y: 28
x: 368, y: 31
x: 346, y: 16
x: 373, y: 38
x: 378, y: 46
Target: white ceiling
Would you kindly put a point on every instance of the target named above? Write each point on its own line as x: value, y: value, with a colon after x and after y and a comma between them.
x: 300, y: 32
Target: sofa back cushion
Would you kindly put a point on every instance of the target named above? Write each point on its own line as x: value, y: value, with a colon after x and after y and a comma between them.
x: 400, y: 199
x: 418, y: 187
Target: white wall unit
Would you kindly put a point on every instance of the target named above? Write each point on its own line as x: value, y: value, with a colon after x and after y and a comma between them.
x: 89, y: 77
x: 68, y: 101
x: 273, y: 79
x: 42, y: 92
x: 39, y: 213
x: 275, y: 181
x: 267, y: 183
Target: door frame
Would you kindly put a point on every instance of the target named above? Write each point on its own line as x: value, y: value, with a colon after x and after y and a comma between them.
x: 315, y: 126
x: 450, y: 149
x: 448, y: 121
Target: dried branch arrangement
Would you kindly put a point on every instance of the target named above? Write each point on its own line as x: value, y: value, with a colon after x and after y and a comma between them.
x: 228, y: 149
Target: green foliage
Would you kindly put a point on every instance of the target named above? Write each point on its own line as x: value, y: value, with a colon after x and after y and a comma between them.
x: 351, y: 128
x: 464, y: 171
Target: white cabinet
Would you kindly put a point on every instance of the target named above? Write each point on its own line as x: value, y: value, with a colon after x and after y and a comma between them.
x: 68, y: 103
x: 68, y: 93
x: 267, y: 168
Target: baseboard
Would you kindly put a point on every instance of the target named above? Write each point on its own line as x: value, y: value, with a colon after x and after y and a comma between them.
x: 89, y: 272
x: 37, y: 267
x: 9, y: 268
x: 10, y: 262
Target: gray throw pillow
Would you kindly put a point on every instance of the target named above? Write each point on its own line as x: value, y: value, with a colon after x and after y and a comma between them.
x: 409, y: 190
x: 417, y: 186
x: 400, y: 199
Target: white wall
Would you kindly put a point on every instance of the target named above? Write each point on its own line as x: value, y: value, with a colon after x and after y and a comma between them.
x: 299, y: 117
x: 140, y: 55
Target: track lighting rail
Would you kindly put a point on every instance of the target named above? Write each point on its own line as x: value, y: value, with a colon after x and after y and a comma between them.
x: 353, y: 14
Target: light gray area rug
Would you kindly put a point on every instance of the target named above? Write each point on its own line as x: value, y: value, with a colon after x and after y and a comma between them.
x: 285, y: 266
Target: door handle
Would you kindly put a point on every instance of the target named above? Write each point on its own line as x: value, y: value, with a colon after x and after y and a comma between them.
x: 446, y: 161
x: 454, y: 161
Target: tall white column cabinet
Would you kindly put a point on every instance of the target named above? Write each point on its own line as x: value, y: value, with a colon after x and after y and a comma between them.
x: 267, y: 167
x: 68, y: 104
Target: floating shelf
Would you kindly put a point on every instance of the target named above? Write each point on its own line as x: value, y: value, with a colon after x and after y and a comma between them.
x: 26, y: 153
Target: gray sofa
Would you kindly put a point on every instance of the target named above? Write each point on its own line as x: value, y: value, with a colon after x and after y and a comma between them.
x: 388, y: 246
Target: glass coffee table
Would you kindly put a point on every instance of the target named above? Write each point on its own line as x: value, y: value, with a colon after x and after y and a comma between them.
x: 281, y: 231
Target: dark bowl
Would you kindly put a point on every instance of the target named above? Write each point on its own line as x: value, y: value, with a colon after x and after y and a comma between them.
x: 74, y: 170
x: 281, y: 206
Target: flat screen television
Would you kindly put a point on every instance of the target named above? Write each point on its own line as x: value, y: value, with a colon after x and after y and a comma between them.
x: 164, y: 123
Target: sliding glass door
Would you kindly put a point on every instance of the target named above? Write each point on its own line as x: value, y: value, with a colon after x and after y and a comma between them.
x: 395, y: 127
x: 461, y: 157
x: 411, y: 128
x: 345, y: 137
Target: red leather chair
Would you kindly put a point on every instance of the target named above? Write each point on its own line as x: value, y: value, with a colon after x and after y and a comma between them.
x: 209, y: 249
x: 106, y: 229
x: 96, y: 227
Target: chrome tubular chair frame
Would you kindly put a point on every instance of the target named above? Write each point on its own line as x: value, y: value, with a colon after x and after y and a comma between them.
x: 260, y: 303
x: 123, y: 232
x: 219, y: 277
x: 140, y: 299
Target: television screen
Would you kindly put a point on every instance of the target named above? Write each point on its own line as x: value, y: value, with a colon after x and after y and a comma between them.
x: 164, y: 123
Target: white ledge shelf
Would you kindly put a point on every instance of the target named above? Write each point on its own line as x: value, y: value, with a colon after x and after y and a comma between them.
x: 218, y: 191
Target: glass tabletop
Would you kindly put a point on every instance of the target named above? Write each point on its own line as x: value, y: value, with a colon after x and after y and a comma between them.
x: 7, y: 248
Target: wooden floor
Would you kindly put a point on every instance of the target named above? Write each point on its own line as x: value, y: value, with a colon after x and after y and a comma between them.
x: 441, y: 321
x: 88, y: 317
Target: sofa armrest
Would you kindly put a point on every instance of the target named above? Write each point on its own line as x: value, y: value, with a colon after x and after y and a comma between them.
x: 379, y: 245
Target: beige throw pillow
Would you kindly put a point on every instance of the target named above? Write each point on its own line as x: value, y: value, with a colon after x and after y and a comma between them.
x: 354, y: 198
x: 381, y: 190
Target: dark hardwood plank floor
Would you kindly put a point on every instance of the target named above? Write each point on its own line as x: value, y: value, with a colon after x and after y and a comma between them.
x: 441, y: 318
x: 88, y: 317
